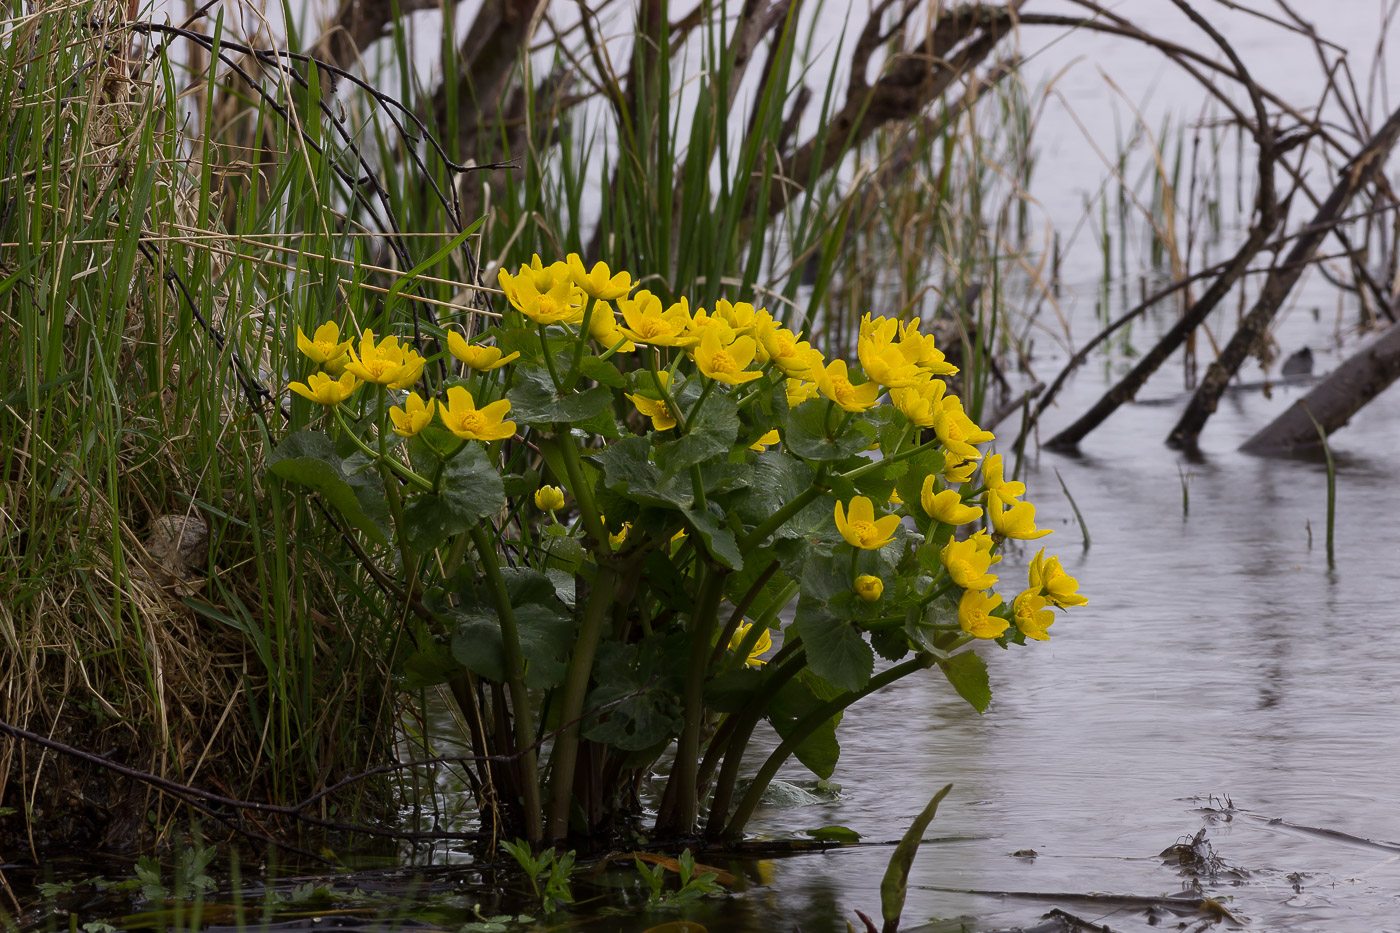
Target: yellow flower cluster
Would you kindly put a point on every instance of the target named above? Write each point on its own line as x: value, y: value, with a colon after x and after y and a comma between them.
x: 734, y: 344
x: 387, y: 362
x: 560, y: 293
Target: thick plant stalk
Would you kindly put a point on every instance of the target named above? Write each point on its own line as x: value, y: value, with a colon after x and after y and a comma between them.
x: 805, y: 727
x: 743, y: 728
x: 682, y: 788
x: 519, y: 696
x: 565, y: 756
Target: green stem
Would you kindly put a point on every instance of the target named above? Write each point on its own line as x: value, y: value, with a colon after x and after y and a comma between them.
x: 700, y: 402
x: 443, y: 461
x: 572, y: 375
x: 665, y: 389
x: 683, y: 786
x: 874, y: 465
x: 804, y: 729
x: 563, y: 450
x: 775, y: 521
x: 738, y: 739
x: 549, y: 359
x: 740, y: 609
x: 368, y: 451
x: 697, y: 480
x: 565, y: 755
x: 515, y: 681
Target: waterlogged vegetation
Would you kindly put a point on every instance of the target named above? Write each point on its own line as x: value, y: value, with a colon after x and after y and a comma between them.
x: 531, y: 462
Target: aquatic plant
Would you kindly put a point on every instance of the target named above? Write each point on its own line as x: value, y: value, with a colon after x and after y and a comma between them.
x: 697, y: 498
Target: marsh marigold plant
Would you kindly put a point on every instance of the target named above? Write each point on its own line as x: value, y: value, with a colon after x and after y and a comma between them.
x: 646, y: 527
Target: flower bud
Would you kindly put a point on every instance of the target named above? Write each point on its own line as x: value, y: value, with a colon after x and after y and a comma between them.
x: 869, y: 588
x: 549, y: 498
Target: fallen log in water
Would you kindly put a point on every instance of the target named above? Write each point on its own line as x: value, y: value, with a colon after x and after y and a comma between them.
x: 1333, y: 401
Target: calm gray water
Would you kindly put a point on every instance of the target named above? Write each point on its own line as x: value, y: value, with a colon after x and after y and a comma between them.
x: 1222, y: 678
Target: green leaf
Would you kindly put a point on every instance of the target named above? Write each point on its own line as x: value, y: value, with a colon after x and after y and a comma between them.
x: 528, y: 586
x: 836, y: 652
x: 535, y: 404
x: 820, y: 751
x: 629, y: 472
x: 967, y: 672
x: 477, y: 645
x: 933, y: 627
x: 602, y: 371
x: 775, y: 478
x: 895, y: 884
x: 834, y: 834
x: 642, y: 722
x: 430, y: 665
x: 471, y: 490
x: 806, y: 434
x: 709, y: 437
x: 719, y: 541
x: 545, y: 639
x: 910, y: 483
x: 309, y: 458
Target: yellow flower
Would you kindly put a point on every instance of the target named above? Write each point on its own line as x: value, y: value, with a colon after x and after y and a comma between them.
x: 386, y: 363
x: 992, y: 478
x: 946, y: 506
x: 834, y: 383
x: 881, y: 359
x: 702, y: 323
x: 647, y: 323
x: 862, y: 528
x: 549, y: 498
x: 957, y: 431
x: 1015, y: 522
x: 793, y: 356
x: 975, y: 615
x: 543, y: 277
x: 1031, y: 616
x: 621, y: 536
x: 602, y: 327
x: 1050, y: 579
x: 475, y: 356
x: 321, y: 388
x: 799, y: 391
x: 986, y: 543
x: 600, y: 283
x: 725, y: 363
x: 658, y: 412
x: 919, y: 349
x: 410, y: 369
x: 894, y: 497
x: 920, y: 403
x: 470, y: 423
x: 967, y: 564
x: 560, y: 304
x: 958, y: 471
x: 417, y: 416
x: 326, y: 348
x: 767, y: 440
x: 740, y: 316
x: 869, y: 588
x: 765, y: 642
